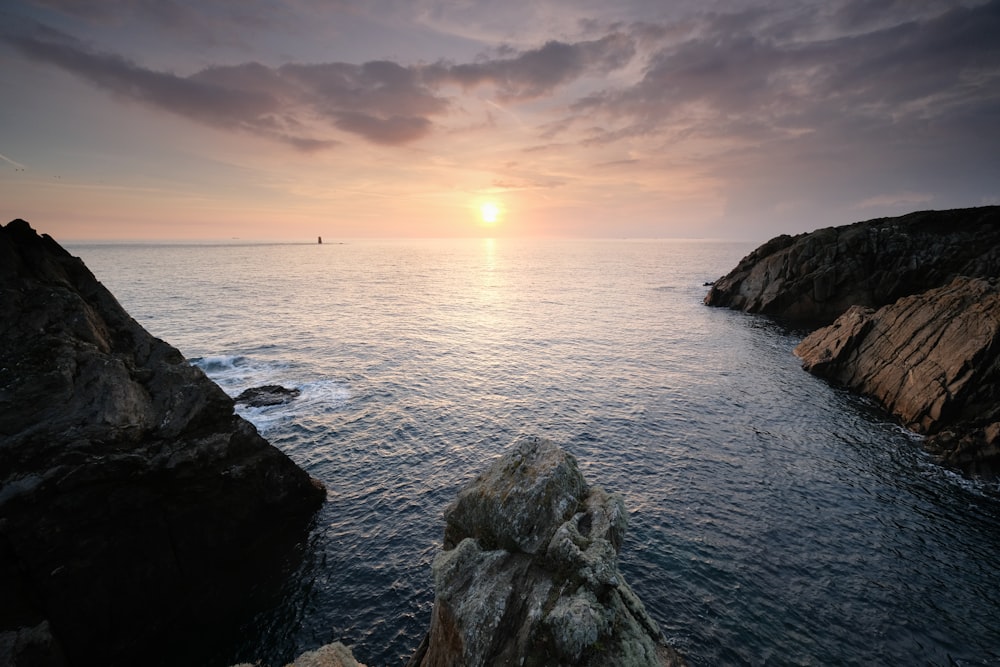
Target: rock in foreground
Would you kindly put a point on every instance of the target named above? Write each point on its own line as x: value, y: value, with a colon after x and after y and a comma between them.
x: 134, y: 504
x: 330, y: 655
x: 529, y: 575
x: 931, y: 359
x: 813, y: 278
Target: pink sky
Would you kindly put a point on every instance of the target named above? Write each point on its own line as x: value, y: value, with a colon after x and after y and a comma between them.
x: 126, y: 119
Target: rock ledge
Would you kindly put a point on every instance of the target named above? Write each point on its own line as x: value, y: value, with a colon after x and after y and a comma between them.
x: 813, y: 278
x: 932, y: 359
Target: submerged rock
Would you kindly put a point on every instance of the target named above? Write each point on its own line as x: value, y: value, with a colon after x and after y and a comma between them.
x: 134, y: 504
x: 813, y: 278
x: 529, y: 576
x: 931, y: 359
x: 269, y: 394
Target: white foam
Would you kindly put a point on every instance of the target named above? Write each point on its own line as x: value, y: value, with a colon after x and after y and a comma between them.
x: 316, y: 398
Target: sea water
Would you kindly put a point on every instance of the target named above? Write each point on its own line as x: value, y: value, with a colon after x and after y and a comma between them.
x: 774, y: 519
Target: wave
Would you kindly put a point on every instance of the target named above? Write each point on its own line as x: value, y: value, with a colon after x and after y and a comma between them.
x: 317, y: 398
x: 235, y: 373
x: 218, y: 364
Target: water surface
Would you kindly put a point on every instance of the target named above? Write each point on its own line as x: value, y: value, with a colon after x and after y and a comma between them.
x: 774, y: 520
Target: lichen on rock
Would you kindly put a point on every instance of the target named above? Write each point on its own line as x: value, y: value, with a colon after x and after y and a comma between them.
x: 529, y: 573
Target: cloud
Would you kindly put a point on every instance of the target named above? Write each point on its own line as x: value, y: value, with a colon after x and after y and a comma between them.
x: 907, y: 199
x: 809, y: 77
x: 378, y: 88
x: 390, y: 131
x: 537, y: 72
x: 205, y: 22
x: 765, y: 69
x: 380, y: 101
x: 251, y: 110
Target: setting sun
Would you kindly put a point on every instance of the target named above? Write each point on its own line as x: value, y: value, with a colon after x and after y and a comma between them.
x: 489, y: 212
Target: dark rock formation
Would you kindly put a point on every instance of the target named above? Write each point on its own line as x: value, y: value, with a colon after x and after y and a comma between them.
x: 133, y: 501
x: 529, y: 576
x: 932, y: 359
x: 269, y: 394
x: 813, y: 278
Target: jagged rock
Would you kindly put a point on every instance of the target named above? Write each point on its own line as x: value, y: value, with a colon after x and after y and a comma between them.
x: 330, y: 655
x: 29, y: 647
x: 529, y: 573
x: 269, y: 394
x: 932, y: 359
x: 813, y: 278
x: 134, y: 503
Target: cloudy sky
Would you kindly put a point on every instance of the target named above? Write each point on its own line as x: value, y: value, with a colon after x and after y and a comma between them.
x: 174, y: 119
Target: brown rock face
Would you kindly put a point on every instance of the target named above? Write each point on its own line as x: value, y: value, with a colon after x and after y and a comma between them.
x: 813, y: 278
x: 529, y: 573
x: 932, y: 359
x: 133, y: 501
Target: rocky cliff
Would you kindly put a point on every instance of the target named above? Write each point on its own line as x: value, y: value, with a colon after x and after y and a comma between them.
x: 528, y: 574
x: 813, y: 278
x: 133, y: 501
x: 932, y: 359
x: 928, y: 352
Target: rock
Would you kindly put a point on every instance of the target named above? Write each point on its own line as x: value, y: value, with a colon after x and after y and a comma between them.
x: 529, y: 575
x: 932, y: 359
x: 31, y: 646
x: 813, y: 278
x: 269, y: 394
x: 134, y: 504
x: 330, y: 655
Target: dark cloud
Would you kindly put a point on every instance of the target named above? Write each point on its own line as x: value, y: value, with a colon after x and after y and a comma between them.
x: 738, y: 72
x: 389, y: 131
x: 538, y: 72
x: 379, y: 101
x: 187, y: 97
x: 376, y: 87
x: 203, y: 22
x: 772, y: 72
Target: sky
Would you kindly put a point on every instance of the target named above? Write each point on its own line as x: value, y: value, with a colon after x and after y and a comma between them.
x: 266, y: 120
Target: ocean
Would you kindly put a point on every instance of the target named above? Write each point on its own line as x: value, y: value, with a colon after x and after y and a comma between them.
x: 774, y: 519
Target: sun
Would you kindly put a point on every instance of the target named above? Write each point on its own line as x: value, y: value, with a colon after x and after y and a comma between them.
x: 489, y: 212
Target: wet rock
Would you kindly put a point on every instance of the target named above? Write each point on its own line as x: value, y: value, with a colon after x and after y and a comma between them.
x: 932, y: 359
x: 269, y: 394
x: 529, y: 572
x: 813, y: 278
x: 134, y: 504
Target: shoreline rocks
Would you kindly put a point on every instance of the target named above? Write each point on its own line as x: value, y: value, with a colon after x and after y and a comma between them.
x: 135, y: 505
x: 912, y: 301
x: 811, y: 279
x: 528, y: 574
x: 932, y: 360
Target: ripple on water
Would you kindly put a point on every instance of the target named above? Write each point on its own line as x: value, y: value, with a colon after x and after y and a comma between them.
x: 773, y: 519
